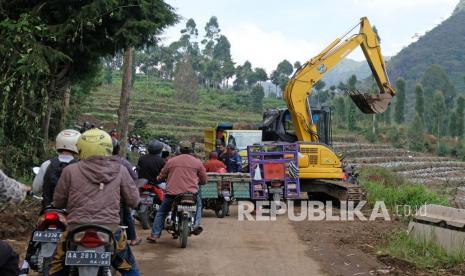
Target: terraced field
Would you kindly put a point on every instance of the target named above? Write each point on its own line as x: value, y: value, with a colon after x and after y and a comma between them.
x: 437, y: 172
x: 163, y: 115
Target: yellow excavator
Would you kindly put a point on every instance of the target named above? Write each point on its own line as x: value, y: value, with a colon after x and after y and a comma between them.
x: 320, y: 169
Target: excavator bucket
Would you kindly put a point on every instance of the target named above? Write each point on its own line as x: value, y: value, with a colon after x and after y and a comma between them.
x: 370, y: 103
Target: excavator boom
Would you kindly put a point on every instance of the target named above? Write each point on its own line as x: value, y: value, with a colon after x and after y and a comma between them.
x: 300, y: 86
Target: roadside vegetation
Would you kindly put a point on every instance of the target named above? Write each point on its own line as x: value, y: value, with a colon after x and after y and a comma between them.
x: 394, y: 190
x: 423, y: 254
x: 397, y: 192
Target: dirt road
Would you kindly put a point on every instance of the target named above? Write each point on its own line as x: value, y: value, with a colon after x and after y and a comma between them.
x: 230, y: 247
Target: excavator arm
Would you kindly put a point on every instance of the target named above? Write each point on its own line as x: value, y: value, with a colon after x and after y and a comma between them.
x: 299, y: 88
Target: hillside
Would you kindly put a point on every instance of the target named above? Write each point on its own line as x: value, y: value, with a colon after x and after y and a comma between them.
x: 442, y: 45
x: 164, y: 116
x: 345, y: 69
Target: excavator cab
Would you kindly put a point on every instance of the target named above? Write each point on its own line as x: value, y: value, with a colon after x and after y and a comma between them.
x: 277, y: 125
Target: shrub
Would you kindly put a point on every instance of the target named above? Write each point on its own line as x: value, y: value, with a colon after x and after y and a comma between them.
x: 442, y: 149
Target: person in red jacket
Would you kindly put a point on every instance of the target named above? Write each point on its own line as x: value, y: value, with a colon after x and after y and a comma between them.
x: 213, y: 164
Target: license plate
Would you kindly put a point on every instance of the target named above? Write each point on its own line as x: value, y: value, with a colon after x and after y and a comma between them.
x: 46, y: 236
x: 87, y: 258
x: 188, y: 208
x: 275, y: 190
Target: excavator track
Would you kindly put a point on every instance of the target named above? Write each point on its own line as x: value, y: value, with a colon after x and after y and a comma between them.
x: 341, y: 190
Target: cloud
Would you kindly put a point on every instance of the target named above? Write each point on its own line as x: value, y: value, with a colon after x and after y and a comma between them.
x: 395, y: 5
x: 267, y: 49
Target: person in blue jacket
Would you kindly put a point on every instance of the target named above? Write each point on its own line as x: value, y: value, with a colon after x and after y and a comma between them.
x: 232, y: 159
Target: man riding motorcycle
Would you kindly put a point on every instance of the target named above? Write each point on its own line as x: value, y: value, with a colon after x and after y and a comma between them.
x: 50, y: 171
x: 184, y: 173
x: 91, y: 192
x: 47, y: 178
x: 149, y: 166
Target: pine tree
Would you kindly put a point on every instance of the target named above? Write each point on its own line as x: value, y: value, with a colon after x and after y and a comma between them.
x: 460, y: 116
x: 340, y: 109
x: 453, y: 124
x: 438, y: 113
x: 399, y: 114
x: 351, y: 117
x: 416, y: 140
x: 419, y: 102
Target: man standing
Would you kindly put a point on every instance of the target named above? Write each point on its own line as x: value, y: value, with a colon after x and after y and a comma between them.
x: 11, y: 192
x: 183, y: 174
x: 232, y: 159
x: 213, y: 164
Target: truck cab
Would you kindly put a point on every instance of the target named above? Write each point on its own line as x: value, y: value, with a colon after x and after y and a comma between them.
x: 223, y: 133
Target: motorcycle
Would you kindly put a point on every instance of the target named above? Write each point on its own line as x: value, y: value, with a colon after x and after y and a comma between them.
x: 50, y: 226
x: 89, y: 249
x: 151, y: 197
x: 221, y: 203
x: 180, y: 222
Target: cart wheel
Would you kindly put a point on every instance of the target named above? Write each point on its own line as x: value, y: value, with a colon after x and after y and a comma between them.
x: 223, y: 210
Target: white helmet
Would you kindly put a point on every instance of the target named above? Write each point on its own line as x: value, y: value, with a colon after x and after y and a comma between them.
x: 67, y: 139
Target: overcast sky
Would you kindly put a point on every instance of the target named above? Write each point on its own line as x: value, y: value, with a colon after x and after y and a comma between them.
x: 268, y: 31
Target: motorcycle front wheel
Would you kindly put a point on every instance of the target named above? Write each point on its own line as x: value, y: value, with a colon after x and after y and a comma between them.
x: 184, y: 232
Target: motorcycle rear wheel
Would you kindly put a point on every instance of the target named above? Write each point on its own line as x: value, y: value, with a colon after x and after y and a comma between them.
x: 184, y: 232
x: 46, y: 265
x: 144, y: 216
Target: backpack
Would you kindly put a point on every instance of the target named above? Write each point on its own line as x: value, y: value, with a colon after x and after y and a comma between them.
x: 51, y: 177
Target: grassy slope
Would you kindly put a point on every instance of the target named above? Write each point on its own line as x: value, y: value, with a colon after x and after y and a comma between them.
x: 155, y: 104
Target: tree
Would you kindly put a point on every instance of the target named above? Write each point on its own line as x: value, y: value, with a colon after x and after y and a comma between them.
x: 438, y: 113
x: 222, y: 55
x: 185, y: 82
x: 352, y: 82
x: 399, y: 115
x: 123, y: 111
x: 419, y: 102
x: 297, y: 65
x: 256, y: 98
x: 460, y: 116
x: 453, y: 124
x: 319, y: 85
x: 387, y: 116
x: 416, y: 140
x: 61, y: 48
x: 340, y: 109
x: 260, y: 75
x: 436, y: 79
x: 280, y: 76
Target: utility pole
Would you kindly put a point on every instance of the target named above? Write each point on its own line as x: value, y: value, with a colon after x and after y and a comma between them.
x: 123, y: 111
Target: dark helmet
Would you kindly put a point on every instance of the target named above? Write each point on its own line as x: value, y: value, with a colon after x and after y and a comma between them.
x: 155, y: 147
x: 231, y: 146
x: 116, y: 146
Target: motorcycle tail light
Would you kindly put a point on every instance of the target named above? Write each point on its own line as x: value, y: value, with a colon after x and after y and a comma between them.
x: 51, y: 220
x: 91, y: 239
